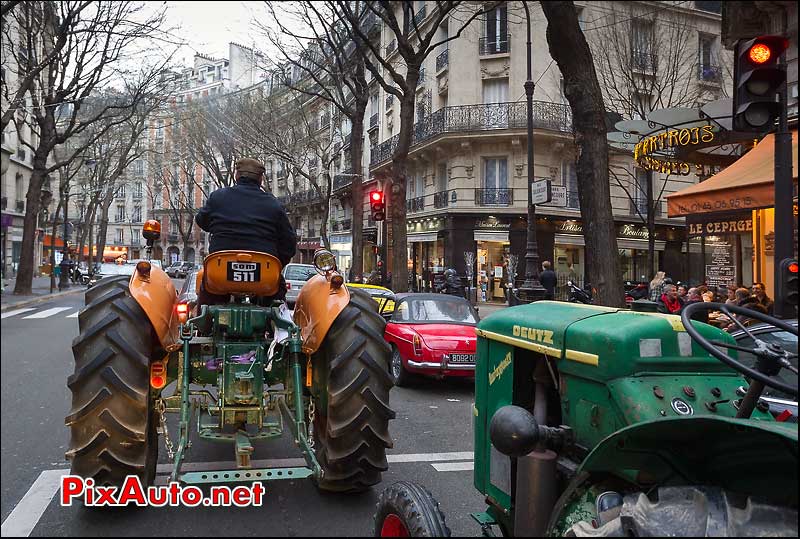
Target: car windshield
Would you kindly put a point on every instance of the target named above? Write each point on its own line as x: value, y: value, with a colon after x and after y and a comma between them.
x: 117, y: 269
x: 446, y: 309
x: 299, y: 273
x: 785, y: 340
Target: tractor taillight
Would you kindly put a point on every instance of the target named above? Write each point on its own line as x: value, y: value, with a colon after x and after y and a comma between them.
x: 288, y: 285
x: 158, y: 375
x: 182, y: 310
x: 417, y: 345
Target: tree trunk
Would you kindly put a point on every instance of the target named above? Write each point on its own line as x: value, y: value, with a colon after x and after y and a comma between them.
x: 396, y: 200
x: 24, y: 281
x: 357, y: 193
x: 103, y: 228
x: 53, y: 246
x: 569, y: 49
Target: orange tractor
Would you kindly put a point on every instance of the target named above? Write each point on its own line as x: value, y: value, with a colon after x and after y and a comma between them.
x: 241, y: 369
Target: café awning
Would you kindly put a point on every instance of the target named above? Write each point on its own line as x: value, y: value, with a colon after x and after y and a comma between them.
x: 747, y: 184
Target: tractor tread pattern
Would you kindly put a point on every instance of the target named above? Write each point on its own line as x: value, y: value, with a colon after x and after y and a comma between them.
x: 416, y: 508
x: 354, y: 430
x: 112, y: 431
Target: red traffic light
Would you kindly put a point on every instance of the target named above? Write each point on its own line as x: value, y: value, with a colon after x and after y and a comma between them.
x: 376, y: 196
x: 759, y: 53
x: 792, y: 267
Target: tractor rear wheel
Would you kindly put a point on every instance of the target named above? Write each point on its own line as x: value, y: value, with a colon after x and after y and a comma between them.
x: 406, y: 509
x: 351, y: 435
x: 112, y: 420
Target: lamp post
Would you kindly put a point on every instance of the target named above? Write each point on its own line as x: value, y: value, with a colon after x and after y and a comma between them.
x: 63, y: 281
x: 531, y: 289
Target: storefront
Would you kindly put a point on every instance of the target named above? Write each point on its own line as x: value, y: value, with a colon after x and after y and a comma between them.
x: 732, y: 212
x: 341, y: 247
x: 426, y: 252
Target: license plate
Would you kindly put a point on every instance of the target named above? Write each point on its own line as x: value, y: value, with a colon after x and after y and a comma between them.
x: 244, y: 272
x: 462, y: 358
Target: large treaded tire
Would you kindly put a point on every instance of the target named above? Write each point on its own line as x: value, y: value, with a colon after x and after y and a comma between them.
x: 352, y: 435
x: 406, y: 509
x: 112, y: 424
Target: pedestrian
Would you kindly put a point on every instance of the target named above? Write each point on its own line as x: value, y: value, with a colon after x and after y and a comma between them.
x: 683, y: 292
x: 669, y: 303
x: 731, y: 299
x: 549, y: 280
x: 657, y: 285
x: 760, y: 293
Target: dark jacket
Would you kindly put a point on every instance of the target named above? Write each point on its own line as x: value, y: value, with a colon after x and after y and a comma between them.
x: 246, y: 218
x: 549, y: 281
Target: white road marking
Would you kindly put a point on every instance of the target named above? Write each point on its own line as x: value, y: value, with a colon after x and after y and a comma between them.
x: 29, y: 510
x: 48, y: 313
x: 73, y: 315
x: 453, y: 466
x: 13, y: 313
x: 25, y: 516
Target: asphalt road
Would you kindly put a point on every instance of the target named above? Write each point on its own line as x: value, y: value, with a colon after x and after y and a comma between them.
x: 434, y: 417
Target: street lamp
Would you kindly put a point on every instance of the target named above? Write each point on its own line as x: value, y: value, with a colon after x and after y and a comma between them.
x: 63, y: 281
x: 531, y: 289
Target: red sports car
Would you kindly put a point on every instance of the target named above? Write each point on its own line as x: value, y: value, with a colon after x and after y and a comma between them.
x: 432, y: 334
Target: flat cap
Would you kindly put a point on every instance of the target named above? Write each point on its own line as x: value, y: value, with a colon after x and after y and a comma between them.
x: 251, y: 166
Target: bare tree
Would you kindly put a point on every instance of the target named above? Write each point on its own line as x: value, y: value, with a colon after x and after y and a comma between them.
x: 332, y: 69
x: 569, y: 49
x: 62, y: 102
x: 65, y: 177
x: 415, y: 35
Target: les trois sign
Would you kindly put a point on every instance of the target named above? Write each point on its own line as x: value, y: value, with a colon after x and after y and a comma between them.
x: 727, y: 224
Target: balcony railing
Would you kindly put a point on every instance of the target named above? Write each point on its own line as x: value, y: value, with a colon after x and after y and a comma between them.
x: 708, y: 73
x: 172, y: 238
x: 391, y: 47
x: 389, y: 101
x: 305, y: 197
x: 373, y: 121
x: 346, y: 223
x: 421, y: 76
x: 341, y: 181
x: 325, y: 121
x: 644, y: 61
x: 441, y: 199
x: 471, y: 118
x: 711, y: 7
x: 415, y: 204
x: 442, y: 60
x: 494, y: 197
x: 20, y: 206
x: 494, y: 45
x: 641, y: 205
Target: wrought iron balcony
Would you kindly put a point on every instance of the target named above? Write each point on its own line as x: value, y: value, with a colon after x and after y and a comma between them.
x: 494, y: 197
x: 325, y: 121
x: 421, y: 76
x: 441, y: 199
x: 472, y: 118
x: 711, y: 7
x: 341, y: 181
x: 442, y: 60
x: 373, y: 121
x: 173, y: 238
x: 391, y: 47
x: 644, y: 61
x: 415, y: 204
x: 709, y: 73
x: 494, y: 45
x: 420, y: 15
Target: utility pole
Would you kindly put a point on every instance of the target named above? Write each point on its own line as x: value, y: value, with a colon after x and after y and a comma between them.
x: 784, y: 218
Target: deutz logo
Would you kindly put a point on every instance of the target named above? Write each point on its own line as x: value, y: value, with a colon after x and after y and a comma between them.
x: 534, y: 334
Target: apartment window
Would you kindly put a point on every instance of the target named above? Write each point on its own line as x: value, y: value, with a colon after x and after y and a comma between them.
x: 642, y: 54
x: 569, y: 179
x: 120, y: 192
x: 495, y: 173
x: 120, y: 216
x: 137, y: 214
x: 138, y: 190
x: 138, y: 167
x: 495, y: 91
x: 441, y: 177
x: 120, y: 237
x: 707, y: 70
x: 496, y: 31
x: 173, y: 225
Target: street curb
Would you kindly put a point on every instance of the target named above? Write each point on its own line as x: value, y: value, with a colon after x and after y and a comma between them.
x: 42, y: 299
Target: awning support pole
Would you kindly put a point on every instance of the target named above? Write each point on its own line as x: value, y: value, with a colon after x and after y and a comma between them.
x: 784, y: 220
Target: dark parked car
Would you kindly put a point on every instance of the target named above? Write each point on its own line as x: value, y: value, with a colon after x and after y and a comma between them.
x: 172, y: 269
x: 778, y: 401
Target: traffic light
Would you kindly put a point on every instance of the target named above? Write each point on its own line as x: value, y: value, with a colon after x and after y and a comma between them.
x: 757, y: 78
x: 786, y: 289
x: 377, y: 205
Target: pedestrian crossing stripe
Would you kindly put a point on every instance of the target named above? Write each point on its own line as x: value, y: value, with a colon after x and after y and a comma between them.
x: 48, y: 313
x: 16, y: 312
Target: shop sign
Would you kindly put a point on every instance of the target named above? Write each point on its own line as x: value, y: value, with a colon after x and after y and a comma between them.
x: 491, y: 224
x: 734, y: 224
x: 722, y: 270
x: 540, y: 192
x: 423, y: 226
x: 633, y: 231
x: 672, y: 138
x: 370, y: 235
x: 559, y: 197
x: 570, y: 227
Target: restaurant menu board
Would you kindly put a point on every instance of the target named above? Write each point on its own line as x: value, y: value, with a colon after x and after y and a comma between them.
x: 722, y: 270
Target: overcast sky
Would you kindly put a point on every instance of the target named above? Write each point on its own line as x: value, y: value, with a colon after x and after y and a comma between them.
x: 208, y: 27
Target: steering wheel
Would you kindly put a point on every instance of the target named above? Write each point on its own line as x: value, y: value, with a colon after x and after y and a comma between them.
x: 770, y: 357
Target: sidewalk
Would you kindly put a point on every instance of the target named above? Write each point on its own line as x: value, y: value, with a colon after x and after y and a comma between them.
x: 40, y: 291
x: 485, y: 309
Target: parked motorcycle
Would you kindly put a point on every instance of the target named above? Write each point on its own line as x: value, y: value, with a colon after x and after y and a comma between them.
x: 580, y: 295
x: 634, y: 291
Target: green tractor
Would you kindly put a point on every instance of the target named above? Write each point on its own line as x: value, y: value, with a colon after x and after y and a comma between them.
x: 596, y: 421
x: 243, y: 369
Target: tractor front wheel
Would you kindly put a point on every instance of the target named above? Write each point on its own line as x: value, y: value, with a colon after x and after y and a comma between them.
x: 112, y: 422
x: 351, y: 434
x: 406, y: 509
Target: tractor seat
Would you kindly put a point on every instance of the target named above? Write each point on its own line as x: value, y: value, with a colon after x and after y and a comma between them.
x: 241, y: 273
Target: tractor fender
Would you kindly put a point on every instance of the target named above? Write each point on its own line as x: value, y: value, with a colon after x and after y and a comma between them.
x: 744, y: 455
x: 156, y: 295
x: 317, y: 306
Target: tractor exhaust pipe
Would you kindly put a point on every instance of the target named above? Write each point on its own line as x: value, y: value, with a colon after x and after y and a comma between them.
x: 536, y: 493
